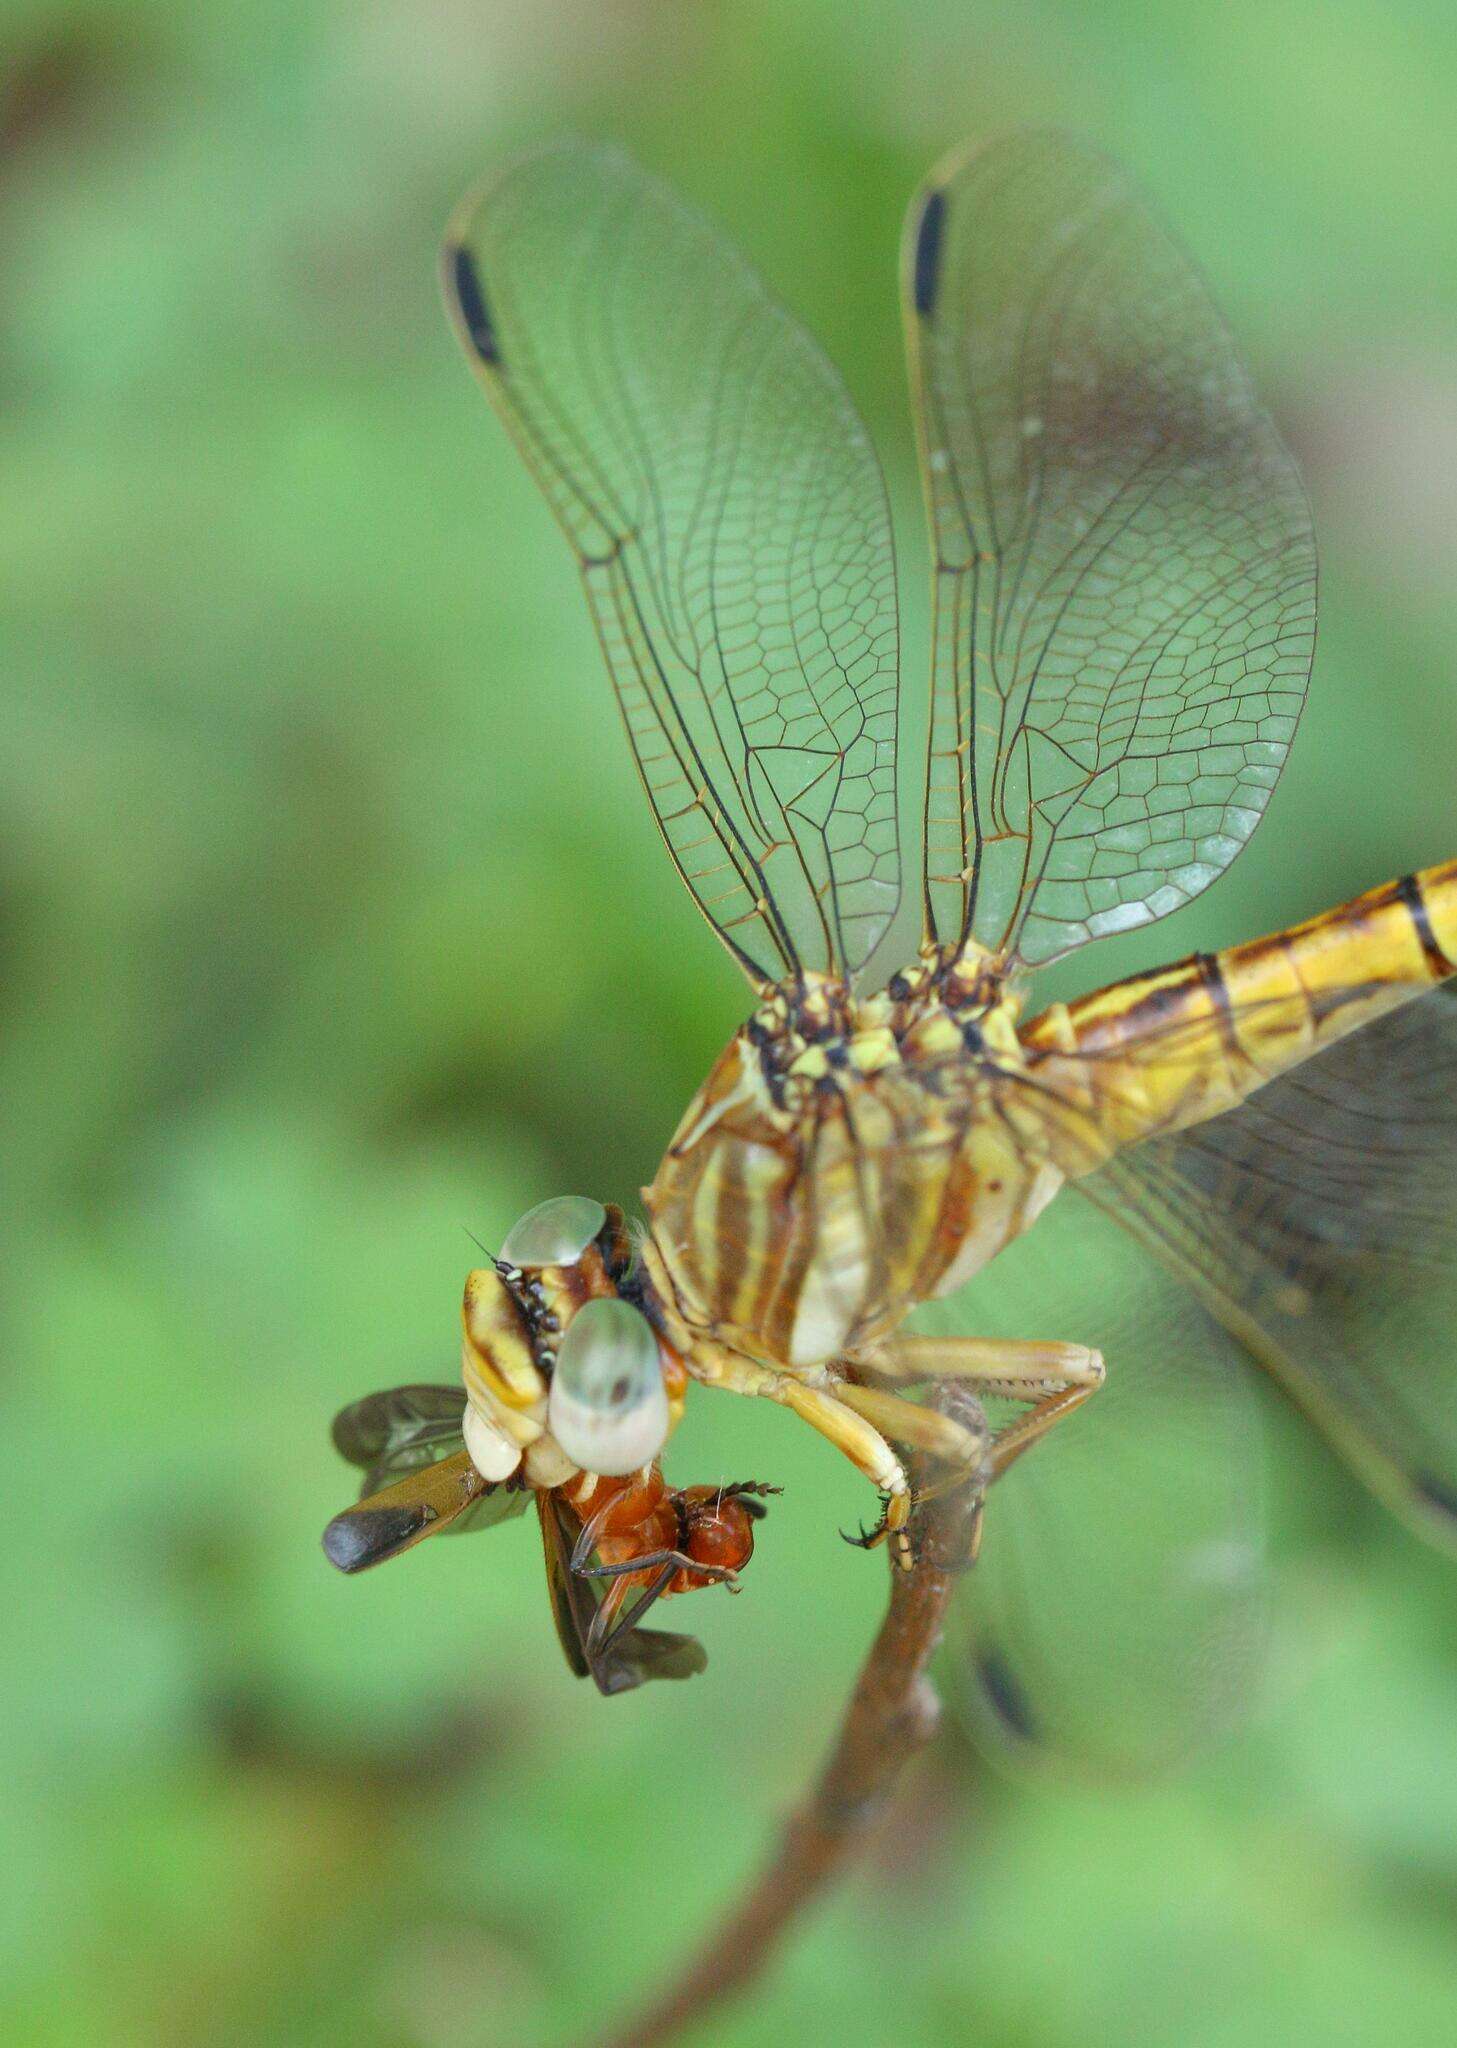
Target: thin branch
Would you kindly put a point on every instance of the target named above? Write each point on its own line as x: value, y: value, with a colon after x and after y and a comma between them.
x: 893, y: 1712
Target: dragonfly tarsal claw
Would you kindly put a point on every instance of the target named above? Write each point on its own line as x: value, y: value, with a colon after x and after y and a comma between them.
x: 866, y: 1539
x: 889, y: 1528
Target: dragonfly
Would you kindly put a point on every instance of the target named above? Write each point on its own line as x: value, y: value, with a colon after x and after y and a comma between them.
x: 1256, y: 1149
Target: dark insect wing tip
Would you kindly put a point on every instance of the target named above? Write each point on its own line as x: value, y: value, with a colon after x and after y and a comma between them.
x: 612, y: 1676
x: 930, y: 239
x: 1005, y: 1696
x: 470, y: 297
x: 358, y: 1538
x: 641, y: 1655
x: 1438, y: 1494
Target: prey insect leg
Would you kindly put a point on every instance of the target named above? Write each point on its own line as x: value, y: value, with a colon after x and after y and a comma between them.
x: 610, y: 1622
x: 646, y: 1560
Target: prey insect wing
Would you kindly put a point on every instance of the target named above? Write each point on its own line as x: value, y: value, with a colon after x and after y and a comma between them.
x: 399, y: 1430
x: 628, y: 1656
x: 434, y: 1499
x: 573, y: 1606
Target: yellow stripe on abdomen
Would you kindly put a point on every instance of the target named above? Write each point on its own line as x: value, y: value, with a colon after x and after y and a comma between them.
x: 1164, y: 1050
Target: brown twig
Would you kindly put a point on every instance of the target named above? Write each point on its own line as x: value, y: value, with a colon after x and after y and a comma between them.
x: 893, y: 1712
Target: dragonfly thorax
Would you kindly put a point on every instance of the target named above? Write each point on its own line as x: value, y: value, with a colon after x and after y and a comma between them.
x: 813, y: 1035
x: 848, y: 1158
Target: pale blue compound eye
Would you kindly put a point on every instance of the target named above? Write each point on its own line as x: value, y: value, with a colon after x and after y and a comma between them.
x: 608, y: 1407
x: 554, y: 1233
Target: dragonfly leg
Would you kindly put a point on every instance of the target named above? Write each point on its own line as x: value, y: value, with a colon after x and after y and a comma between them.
x: 860, y: 1441
x: 1054, y: 1378
x: 951, y: 1443
x: 962, y: 1451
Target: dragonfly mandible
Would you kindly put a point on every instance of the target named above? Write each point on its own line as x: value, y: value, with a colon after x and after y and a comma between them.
x: 1123, y: 578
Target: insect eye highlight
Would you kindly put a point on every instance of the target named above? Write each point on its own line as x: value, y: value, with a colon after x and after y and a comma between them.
x: 554, y: 1233
x: 608, y: 1408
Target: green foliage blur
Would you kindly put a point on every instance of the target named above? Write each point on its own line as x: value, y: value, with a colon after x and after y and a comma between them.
x: 334, y: 930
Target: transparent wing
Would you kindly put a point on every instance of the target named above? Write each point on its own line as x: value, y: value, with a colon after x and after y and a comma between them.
x: 1124, y: 577
x: 1115, y: 1619
x: 730, y: 520
x: 1318, y: 1222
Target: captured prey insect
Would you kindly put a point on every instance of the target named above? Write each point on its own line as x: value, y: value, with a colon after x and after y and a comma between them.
x: 616, y: 1540
x: 1123, y: 580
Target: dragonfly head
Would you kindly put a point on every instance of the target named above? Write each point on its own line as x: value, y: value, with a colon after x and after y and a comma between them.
x: 563, y: 1370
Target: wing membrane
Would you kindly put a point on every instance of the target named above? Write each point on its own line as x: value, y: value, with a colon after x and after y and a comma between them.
x: 1318, y: 1221
x: 399, y: 1430
x: 1124, y: 577
x: 730, y: 521
x: 1115, y: 1620
x: 403, y: 1432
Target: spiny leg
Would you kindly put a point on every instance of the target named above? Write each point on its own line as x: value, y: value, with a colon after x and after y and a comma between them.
x: 960, y: 1449
x: 834, y: 1418
x: 906, y: 1422
x: 1016, y: 1361
x: 1054, y: 1377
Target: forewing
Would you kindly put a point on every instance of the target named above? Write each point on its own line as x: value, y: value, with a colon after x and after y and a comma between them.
x: 1318, y: 1222
x: 1115, y: 1619
x: 1124, y: 578
x: 730, y: 520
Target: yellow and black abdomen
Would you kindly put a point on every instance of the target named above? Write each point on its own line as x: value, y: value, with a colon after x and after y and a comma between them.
x: 1164, y: 1050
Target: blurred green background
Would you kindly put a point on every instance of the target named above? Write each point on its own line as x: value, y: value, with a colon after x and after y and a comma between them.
x: 333, y: 928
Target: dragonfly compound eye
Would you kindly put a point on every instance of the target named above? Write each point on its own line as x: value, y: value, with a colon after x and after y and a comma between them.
x: 608, y: 1408
x: 554, y: 1233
